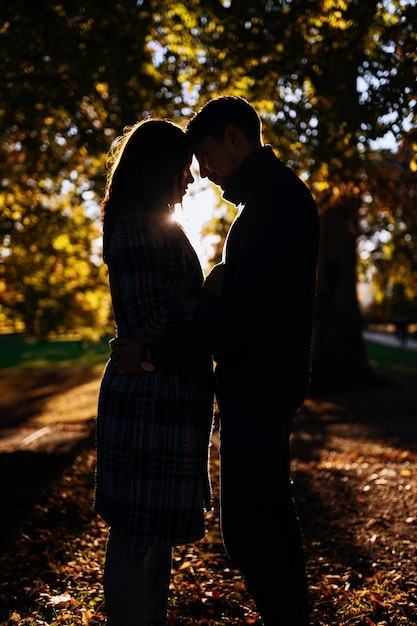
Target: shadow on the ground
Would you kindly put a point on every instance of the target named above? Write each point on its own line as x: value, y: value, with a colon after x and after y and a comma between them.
x: 25, y: 479
x: 354, y: 457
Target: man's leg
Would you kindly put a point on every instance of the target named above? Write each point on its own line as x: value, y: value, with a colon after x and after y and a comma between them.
x: 259, y: 523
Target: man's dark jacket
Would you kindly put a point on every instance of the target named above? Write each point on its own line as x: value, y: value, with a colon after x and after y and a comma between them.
x: 261, y: 335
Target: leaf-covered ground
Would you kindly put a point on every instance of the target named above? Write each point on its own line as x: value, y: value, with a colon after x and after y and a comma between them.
x: 355, y: 473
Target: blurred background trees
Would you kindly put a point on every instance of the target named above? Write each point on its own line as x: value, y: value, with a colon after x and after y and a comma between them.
x: 333, y: 80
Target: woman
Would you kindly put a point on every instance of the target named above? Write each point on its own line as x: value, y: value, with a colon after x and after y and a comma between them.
x: 153, y: 428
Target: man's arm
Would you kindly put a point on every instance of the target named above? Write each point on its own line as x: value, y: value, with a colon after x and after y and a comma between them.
x: 132, y: 356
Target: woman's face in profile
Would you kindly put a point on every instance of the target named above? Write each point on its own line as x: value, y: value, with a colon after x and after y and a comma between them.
x: 180, y: 187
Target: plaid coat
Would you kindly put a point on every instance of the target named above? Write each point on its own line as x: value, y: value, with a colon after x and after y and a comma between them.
x: 153, y: 429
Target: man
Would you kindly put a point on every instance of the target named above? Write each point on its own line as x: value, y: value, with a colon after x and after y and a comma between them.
x: 262, y: 349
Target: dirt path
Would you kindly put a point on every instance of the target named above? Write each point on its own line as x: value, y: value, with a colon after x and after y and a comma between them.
x: 50, y: 412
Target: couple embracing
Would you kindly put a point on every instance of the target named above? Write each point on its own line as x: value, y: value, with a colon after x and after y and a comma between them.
x: 252, y: 315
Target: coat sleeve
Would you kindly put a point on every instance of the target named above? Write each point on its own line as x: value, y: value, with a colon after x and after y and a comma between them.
x: 156, y: 281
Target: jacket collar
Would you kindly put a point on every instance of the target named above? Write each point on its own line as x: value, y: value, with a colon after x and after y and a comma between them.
x: 254, y: 167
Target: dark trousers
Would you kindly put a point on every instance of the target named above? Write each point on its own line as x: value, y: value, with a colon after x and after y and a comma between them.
x: 259, y: 523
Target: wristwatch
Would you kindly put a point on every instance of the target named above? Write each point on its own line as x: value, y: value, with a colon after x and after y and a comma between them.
x: 145, y: 361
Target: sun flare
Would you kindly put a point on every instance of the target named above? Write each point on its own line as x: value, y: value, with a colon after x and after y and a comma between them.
x: 198, y: 208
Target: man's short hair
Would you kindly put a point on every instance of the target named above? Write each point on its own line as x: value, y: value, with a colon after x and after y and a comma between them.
x: 213, y: 117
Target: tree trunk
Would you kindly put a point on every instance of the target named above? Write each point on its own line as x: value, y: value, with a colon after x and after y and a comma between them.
x: 340, y: 359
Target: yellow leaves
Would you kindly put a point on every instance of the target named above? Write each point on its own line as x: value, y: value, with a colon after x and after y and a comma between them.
x: 320, y: 186
x: 86, y: 617
x: 334, y: 5
x: 333, y: 14
x: 243, y: 84
x: 188, y: 18
x: 62, y: 242
x: 413, y: 162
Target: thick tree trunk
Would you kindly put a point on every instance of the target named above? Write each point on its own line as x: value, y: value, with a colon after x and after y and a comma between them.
x: 339, y: 353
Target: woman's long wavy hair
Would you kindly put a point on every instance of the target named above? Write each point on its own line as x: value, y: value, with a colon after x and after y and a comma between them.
x: 145, y: 164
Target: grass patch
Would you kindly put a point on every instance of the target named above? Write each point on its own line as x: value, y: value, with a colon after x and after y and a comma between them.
x: 23, y: 352
x: 395, y: 362
x: 19, y: 352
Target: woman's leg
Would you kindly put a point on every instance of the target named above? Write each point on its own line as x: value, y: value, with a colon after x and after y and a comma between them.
x: 136, y: 587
